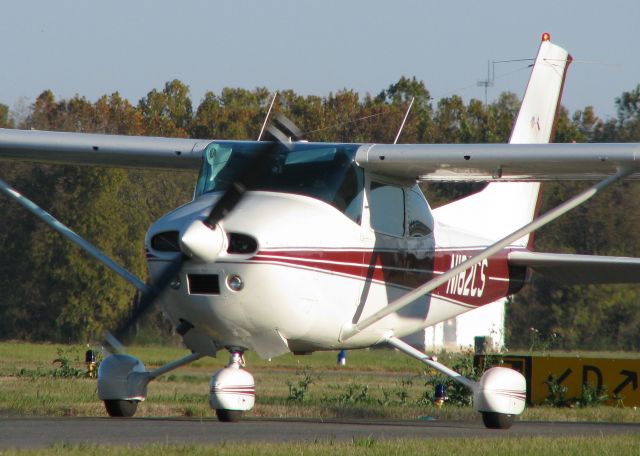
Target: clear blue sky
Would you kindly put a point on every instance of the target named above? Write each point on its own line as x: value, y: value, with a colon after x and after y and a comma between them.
x: 313, y: 47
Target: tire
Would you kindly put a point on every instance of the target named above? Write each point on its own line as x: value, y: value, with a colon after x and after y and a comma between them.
x: 228, y: 416
x: 120, y: 409
x: 494, y: 420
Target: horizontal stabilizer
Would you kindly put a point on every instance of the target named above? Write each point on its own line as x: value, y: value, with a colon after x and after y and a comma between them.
x: 579, y: 269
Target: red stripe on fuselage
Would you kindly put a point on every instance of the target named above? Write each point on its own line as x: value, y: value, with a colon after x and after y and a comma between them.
x: 485, y: 282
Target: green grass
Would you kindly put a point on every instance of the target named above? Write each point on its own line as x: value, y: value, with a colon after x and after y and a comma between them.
x: 373, y: 384
x: 29, y: 355
x: 371, y: 446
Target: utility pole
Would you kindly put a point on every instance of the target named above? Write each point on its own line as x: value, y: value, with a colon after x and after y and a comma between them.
x: 491, y: 73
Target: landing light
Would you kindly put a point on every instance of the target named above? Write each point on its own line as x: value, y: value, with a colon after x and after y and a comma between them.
x: 235, y: 283
x: 175, y: 283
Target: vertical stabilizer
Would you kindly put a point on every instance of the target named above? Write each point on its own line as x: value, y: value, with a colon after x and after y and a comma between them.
x: 501, y: 208
x: 538, y: 112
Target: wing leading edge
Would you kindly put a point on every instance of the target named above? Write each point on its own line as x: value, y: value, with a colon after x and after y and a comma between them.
x: 579, y: 269
x: 102, y: 150
x: 433, y: 162
x: 499, y: 162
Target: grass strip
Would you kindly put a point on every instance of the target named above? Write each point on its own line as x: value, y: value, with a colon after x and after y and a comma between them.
x: 371, y: 446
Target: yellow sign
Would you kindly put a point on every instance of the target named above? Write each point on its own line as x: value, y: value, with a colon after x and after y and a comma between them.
x: 618, y: 378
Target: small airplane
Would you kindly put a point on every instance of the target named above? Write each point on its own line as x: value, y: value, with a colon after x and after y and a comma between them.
x: 292, y: 246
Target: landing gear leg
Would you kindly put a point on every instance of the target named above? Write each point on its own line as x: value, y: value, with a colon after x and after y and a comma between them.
x: 498, y: 396
x: 233, y: 389
x: 123, y: 380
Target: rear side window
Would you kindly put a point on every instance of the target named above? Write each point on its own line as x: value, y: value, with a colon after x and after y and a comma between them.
x: 386, y: 207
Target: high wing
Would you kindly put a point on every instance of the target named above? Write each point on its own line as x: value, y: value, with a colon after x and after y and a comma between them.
x: 102, y: 150
x: 579, y: 269
x: 500, y: 162
x: 431, y: 162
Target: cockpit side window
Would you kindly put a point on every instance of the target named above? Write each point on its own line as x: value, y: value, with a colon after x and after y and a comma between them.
x: 348, y: 198
x: 386, y: 208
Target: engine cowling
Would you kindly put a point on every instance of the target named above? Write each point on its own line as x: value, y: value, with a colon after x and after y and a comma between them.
x: 500, y: 390
x: 232, y: 389
x: 122, y: 377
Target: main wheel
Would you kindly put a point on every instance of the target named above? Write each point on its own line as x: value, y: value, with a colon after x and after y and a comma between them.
x: 494, y: 420
x: 228, y: 416
x: 120, y: 409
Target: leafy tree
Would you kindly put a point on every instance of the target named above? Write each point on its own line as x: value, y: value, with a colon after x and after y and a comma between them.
x: 566, y: 131
x: 587, y: 124
x: 389, y: 107
x: 115, y: 115
x: 51, y: 290
x: 167, y: 113
x: 44, y: 112
x: 596, y: 317
x: 629, y: 115
x: 5, y: 120
x: 71, y: 296
x: 502, y: 116
x: 234, y: 114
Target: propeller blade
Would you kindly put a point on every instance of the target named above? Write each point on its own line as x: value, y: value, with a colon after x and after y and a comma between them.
x: 111, y: 345
x: 282, y: 130
x: 245, y: 179
x: 145, y: 302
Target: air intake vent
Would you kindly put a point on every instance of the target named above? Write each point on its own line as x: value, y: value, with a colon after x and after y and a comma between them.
x: 166, y: 242
x: 203, y: 284
x: 242, y: 243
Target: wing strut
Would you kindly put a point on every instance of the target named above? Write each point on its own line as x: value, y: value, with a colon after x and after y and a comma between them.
x: 431, y: 362
x: 349, y: 329
x: 72, y: 236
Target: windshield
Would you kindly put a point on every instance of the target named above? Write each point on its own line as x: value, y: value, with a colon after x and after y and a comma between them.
x: 323, y: 171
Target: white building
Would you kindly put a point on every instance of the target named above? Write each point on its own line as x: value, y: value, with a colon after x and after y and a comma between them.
x: 459, y: 333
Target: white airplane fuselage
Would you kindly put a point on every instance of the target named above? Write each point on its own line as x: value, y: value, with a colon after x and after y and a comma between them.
x: 314, y: 269
x: 323, y: 243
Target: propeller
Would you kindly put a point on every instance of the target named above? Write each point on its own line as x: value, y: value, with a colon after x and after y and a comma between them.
x: 203, y: 240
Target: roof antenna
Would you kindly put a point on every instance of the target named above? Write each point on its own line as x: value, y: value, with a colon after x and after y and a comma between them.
x: 404, y: 120
x: 275, y: 94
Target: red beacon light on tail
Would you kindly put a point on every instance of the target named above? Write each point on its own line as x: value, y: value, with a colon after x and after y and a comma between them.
x: 546, y: 37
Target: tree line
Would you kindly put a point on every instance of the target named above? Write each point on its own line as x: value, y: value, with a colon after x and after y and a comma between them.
x: 50, y: 290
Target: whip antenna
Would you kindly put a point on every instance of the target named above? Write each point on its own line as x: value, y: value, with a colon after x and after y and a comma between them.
x: 264, y: 124
x: 404, y: 120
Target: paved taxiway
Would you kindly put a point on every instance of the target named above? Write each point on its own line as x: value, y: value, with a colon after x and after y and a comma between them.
x: 41, y: 432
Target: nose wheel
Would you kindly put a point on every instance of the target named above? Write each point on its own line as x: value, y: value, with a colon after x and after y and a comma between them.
x: 121, y: 409
x: 232, y: 390
x: 228, y: 416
